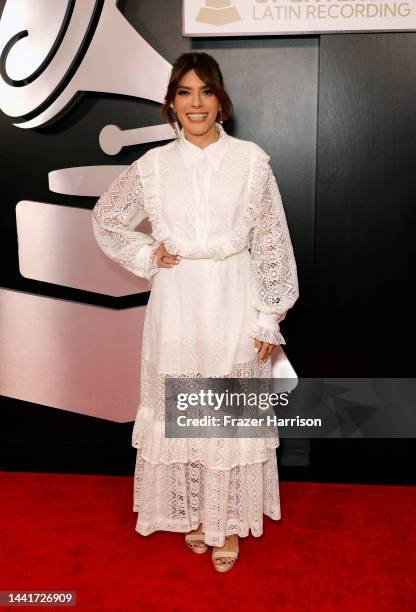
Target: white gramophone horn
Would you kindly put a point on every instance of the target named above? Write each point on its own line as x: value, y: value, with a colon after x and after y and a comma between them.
x: 52, y: 51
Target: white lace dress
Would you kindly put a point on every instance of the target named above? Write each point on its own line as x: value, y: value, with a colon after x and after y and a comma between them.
x: 210, y: 206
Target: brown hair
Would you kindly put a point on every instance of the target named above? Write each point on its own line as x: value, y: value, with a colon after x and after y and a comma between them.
x: 208, y: 70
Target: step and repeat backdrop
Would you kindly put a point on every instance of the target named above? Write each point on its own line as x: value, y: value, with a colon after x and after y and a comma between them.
x: 326, y: 87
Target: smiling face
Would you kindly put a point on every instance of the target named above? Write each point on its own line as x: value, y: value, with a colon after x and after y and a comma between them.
x: 196, y: 105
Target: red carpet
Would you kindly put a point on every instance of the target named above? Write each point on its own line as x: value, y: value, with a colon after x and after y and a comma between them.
x: 337, y: 547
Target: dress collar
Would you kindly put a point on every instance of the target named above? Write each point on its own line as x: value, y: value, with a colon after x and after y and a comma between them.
x: 214, y: 152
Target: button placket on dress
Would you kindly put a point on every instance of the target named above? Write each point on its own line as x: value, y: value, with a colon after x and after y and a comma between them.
x: 201, y: 164
x: 202, y: 177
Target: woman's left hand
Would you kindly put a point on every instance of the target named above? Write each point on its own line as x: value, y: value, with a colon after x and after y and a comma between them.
x: 265, y: 349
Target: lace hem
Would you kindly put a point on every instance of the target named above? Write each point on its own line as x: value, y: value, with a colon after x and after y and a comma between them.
x: 180, y: 497
x: 148, y: 435
x: 223, y: 454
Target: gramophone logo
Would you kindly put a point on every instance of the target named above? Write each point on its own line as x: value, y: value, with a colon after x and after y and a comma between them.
x: 51, y: 52
x: 218, y: 12
x: 55, y: 352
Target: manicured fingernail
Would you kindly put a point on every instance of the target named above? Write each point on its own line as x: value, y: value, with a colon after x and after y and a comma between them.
x: 256, y: 349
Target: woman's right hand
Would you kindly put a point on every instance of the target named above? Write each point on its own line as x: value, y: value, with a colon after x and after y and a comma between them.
x: 164, y: 258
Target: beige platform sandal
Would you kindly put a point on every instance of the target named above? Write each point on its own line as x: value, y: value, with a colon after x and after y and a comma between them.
x: 231, y: 555
x: 193, y: 539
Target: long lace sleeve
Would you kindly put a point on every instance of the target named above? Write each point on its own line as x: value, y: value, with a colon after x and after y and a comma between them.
x: 115, y: 215
x: 273, y: 266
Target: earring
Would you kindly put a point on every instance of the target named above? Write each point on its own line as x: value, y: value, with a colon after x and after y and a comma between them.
x: 221, y: 117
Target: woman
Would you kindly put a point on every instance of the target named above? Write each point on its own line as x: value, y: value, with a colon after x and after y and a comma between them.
x: 213, y: 311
